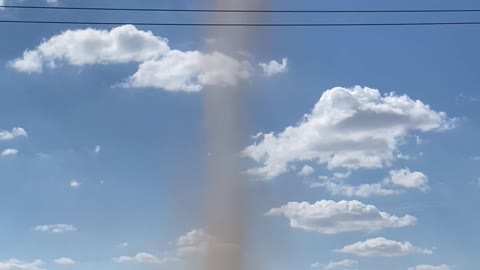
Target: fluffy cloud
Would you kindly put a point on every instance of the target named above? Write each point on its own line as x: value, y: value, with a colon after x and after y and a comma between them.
x: 393, y: 184
x: 407, y: 179
x: 306, y: 170
x: 14, y: 264
x: 89, y: 46
x: 160, y: 66
x: 195, y: 241
x: 189, y: 71
x: 64, y: 261
x: 273, y: 67
x: 383, y: 247
x: 15, y: 132
x: 9, y: 152
x: 345, y: 264
x: 330, y: 217
x: 350, y: 128
x: 430, y: 267
x: 74, y: 184
x: 143, y: 257
x: 55, y: 228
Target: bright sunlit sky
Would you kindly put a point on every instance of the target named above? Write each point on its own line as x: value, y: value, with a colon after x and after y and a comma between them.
x: 361, y: 144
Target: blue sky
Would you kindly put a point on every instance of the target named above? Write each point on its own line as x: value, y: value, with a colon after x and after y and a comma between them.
x: 137, y: 201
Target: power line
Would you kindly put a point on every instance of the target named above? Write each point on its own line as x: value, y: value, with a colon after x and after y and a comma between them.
x: 241, y: 10
x: 244, y: 24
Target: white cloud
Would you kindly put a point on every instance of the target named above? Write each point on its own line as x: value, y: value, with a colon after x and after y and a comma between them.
x: 16, y: 132
x: 345, y: 264
x: 52, y: 2
x: 49, y: 2
x: 160, y: 66
x: 97, y: 149
x: 55, y: 228
x: 189, y: 71
x: 363, y: 190
x: 341, y: 265
x: 143, y: 257
x: 393, y: 184
x: 330, y: 217
x: 64, y: 261
x: 195, y: 241
x: 349, y: 128
x: 89, y: 46
x: 9, y: 152
x: 14, y: 264
x: 407, y: 179
x: 74, y: 184
x: 430, y: 267
x: 273, y: 67
x: 306, y: 170
x: 122, y: 245
x: 380, y: 246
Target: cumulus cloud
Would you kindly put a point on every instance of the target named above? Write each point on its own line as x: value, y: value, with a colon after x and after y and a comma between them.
x: 347, y: 128
x: 89, y: 46
x: 189, y: 71
x: 306, y: 170
x: 74, y: 184
x: 430, y: 267
x: 273, y: 67
x: 380, y: 246
x: 55, y: 228
x: 14, y: 264
x: 9, y: 152
x: 407, y: 179
x: 395, y: 183
x: 144, y: 258
x: 14, y: 133
x: 330, y: 217
x: 159, y: 66
x: 195, y: 241
x: 64, y: 261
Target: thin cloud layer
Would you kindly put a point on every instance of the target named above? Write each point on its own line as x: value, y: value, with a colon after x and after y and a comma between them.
x: 343, y: 265
x: 395, y: 183
x: 430, y: 267
x: 381, y: 247
x: 56, y: 228
x: 14, y: 264
x: 159, y: 66
x: 330, y: 217
x: 347, y: 128
x: 64, y: 261
x: 142, y: 258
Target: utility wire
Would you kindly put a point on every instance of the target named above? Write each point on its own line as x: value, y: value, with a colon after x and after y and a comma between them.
x: 244, y: 24
x: 241, y: 10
